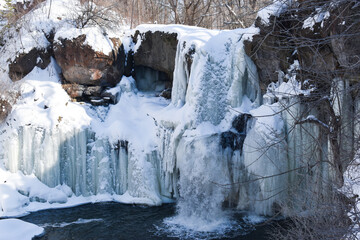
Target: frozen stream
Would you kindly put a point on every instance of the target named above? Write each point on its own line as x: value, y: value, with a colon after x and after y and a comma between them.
x: 119, y: 221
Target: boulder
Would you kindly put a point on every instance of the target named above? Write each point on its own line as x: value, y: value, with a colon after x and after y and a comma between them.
x: 80, y: 64
x: 25, y: 62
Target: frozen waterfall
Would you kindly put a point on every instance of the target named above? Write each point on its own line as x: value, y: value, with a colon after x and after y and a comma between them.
x: 214, y: 145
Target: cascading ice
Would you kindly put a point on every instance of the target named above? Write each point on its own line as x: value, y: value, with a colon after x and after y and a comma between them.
x: 214, y: 144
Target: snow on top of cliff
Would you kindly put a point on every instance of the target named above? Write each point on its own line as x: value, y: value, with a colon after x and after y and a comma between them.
x: 94, y: 37
x: 198, y: 36
x: 274, y: 9
x: 195, y: 36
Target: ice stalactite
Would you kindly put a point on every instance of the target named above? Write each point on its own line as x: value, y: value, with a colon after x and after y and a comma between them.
x: 168, y: 167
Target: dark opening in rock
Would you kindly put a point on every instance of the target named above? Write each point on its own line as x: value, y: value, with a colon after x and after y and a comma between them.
x: 150, y: 80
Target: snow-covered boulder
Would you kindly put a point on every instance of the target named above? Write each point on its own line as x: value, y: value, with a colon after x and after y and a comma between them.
x: 81, y: 64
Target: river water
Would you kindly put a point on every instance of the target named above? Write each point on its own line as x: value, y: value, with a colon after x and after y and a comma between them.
x: 118, y: 221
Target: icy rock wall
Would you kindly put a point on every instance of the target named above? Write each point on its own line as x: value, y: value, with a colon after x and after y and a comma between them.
x: 74, y: 158
x: 285, y: 162
x: 87, y: 164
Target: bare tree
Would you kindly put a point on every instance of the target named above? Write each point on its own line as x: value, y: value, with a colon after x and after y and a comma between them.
x: 93, y: 13
x: 322, y: 37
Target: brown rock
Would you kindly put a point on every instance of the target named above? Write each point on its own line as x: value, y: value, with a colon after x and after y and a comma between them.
x: 81, y: 64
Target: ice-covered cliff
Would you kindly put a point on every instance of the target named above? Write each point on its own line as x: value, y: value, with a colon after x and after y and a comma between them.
x: 220, y: 141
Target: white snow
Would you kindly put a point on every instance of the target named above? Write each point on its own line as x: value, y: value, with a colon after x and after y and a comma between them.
x: 274, y: 9
x: 21, y: 194
x: 287, y: 85
x: 94, y: 37
x: 268, y: 119
x: 44, y: 103
x: 194, y: 36
x: 16, y: 229
x: 320, y: 16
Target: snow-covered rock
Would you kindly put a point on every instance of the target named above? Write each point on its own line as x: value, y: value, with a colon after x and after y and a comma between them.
x: 16, y: 229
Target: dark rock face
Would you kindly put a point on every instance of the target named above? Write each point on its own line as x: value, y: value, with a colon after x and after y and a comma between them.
x: 96, y: 95
x: 235, y: 138
x: 5, y: 109
x: 240, y: 122
x: 327, y: 50
x: 82, y: 65
x: 269, y: 53
x: 157, y: 51
x: 189, y: 57
x: 148, y: 79
x: 345, y: 37
x: 25, y: 62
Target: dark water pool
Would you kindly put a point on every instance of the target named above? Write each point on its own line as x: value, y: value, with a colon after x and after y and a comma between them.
x: 118, y: 221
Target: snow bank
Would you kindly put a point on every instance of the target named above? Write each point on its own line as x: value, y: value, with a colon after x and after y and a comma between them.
x: 16, y: 229
x: 44, y: 103
x: 17, y: 191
